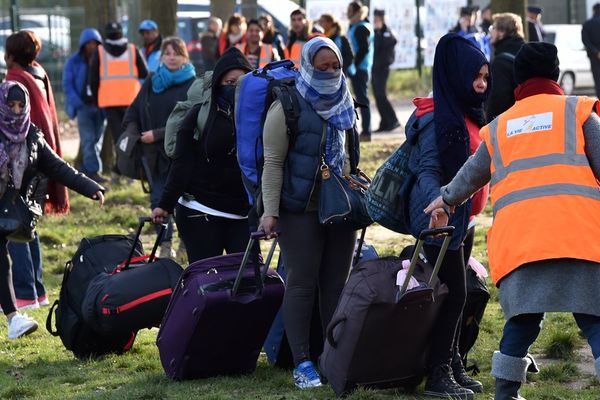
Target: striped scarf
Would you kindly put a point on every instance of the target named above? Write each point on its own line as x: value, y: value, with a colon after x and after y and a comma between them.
x: 329, y: 96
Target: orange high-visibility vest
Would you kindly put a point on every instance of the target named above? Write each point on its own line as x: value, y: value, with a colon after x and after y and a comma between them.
x: 545, y: 198
x: 266, y: 54
x: 294, y: 52
x: 119, y: 83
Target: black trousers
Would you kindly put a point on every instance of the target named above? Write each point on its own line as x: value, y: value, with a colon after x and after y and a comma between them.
x: 315, y: 257
x: 7, y: 292
x: 379, y: 81
x: 360, y: 84
x: 595, y: 64
x: 207, y: 236
x: 114, y: 121
x: 446, y: 330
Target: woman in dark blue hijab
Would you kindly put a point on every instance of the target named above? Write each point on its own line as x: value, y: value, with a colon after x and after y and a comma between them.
x: 445, y: 131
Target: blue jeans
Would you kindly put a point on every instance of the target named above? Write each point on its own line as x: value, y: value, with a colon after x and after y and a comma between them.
x: 521, y: 331
x: 91, y: 123
x: 360, y: 84
x: 27, y: 269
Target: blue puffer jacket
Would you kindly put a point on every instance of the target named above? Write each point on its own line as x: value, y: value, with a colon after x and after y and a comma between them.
x: 75, y: 74
x: 424, y: 162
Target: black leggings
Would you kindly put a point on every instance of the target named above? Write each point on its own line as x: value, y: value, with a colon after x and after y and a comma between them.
x: 314, y: 256
x: 446, y: 330
x: 7, y: 292
x: 207, y: 236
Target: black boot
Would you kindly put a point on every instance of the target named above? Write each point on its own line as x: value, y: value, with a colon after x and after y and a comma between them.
x: 507, y: 390
x: 462, y: 378
x: 440, y: 383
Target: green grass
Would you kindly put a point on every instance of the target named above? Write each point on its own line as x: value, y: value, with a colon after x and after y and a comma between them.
x: 38, y: 366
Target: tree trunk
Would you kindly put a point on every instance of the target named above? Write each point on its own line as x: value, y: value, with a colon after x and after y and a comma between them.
x: 97, y: 15
x: 222, y: 8
x: 514, y: 6
x: 164, y: 13
x: 249, y: 9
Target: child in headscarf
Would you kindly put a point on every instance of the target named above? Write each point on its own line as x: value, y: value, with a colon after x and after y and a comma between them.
x: 23, y: 154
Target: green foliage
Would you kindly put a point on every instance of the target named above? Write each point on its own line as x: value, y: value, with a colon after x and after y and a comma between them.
x: 406, y: 83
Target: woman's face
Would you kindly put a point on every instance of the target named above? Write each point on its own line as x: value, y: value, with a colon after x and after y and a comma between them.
x: 480, y: 83
x: 235, y: 30
x: 326, y: 61
x: 324, y: 22
x: 16, y: 106
x: 171, y: 59
x: 231, y: 77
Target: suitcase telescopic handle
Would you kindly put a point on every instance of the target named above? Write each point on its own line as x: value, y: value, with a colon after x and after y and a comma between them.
x: 138, y: 233
x: 260, y: 276
x: 447, y: 232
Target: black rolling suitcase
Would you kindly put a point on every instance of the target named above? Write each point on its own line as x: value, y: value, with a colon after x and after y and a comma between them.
x: 379, y: 334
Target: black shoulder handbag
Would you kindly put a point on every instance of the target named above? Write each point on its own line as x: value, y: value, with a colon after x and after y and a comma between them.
x: 18, y: 218
x: 342, y: 199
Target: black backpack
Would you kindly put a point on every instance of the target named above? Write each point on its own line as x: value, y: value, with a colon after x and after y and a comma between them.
x: 93, y: 257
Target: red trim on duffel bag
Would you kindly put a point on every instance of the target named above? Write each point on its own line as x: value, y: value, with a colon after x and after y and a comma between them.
x: 133, y: 261
x: 137, y: 302
x: 130, y: 342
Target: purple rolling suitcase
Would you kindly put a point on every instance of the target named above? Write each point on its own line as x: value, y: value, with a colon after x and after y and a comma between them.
x: 219, y: 315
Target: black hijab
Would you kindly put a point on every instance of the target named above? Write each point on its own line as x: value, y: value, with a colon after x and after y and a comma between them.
x: 456, y: 64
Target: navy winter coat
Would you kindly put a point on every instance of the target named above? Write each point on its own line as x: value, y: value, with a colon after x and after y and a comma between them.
x: 424, y: 162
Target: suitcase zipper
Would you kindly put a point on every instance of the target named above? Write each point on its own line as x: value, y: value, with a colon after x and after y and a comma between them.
x: 136, y: 302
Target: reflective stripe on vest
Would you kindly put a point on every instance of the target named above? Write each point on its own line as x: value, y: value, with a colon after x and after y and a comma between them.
x: 119, y: 82
x: 545, y: 197
x: 569, y: 157
x: 294, y: 53
x: 266, y: 54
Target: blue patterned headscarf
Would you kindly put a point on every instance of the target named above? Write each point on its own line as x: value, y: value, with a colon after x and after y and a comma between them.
x: 327, y: 92
x: 329, y: 96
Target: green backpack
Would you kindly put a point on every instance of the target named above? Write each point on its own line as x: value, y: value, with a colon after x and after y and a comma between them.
x: 199, y: 93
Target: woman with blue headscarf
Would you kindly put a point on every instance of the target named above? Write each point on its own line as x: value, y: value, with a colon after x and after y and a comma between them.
x: 444, y: 130
x: 315, y: 256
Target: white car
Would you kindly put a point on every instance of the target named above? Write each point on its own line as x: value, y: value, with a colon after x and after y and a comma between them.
x: 575, y: 69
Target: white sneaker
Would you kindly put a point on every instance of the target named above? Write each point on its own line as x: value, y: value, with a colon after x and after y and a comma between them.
x: 21, y: 325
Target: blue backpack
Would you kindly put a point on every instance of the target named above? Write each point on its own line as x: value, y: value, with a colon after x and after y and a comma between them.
x: 255, y: 93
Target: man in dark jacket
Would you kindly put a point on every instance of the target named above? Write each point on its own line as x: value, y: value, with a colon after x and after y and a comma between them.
x: 384, y: 57
x: 152, y: 39
x: 534, y: 24
x: 79, y: 103
x: 507, y: 39
x: 115, y: 45
x: 210, y: 42
x: 590, y: 36
x: 361, y: 36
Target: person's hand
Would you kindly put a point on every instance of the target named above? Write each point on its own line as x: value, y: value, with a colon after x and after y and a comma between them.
x: 439, y: 218
x: 147, y: 137
x: 438, y: 203
x: 159, y: 215
x: 99, y: 197
x: 268, y: 225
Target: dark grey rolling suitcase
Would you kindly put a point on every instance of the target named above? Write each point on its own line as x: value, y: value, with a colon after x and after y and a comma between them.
x: 379, y: 334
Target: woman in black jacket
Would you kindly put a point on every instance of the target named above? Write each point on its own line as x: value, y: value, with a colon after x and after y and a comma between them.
x: 24, y: 154
x: 147, y: 117
x: 204, y: 184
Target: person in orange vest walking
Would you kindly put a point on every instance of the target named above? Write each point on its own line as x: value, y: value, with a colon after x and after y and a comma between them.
x: 257, y: 53
x: 114, y: 77
x: 298, y: 35
x: 542, y: 157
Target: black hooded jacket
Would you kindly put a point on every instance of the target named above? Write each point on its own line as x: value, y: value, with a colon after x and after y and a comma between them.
x: 207, y: 169
x: 502, y: 95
